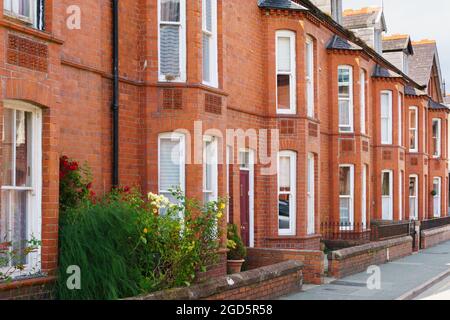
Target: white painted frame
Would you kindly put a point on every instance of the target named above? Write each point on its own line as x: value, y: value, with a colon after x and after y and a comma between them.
x: 214, y: 191
x: 437, y: 153
x: 293, y: 72
x: 364, y: 196
x: 251, y: 170
x: 387, y: 117
x: 363, y: 109
x: 34, y: 215
x: 311, y: 194
x: 12, y: 10
x: 389, y: 216
x: 414, y: 129
x: 350, y: 128
x: 351, y: 197
x: 400, y: 120
x: 212, y: 35
x: 173, y: 136
x: 182, y: 53
x: 437, y: 199
x: 414, y: 198
x: 292, y: 155
x: 310, y: 79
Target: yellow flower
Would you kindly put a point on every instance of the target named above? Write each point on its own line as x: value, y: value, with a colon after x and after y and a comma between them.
x: 222, y: 206
x: 155, y: 211
x: 219, y: 215
x: 145, y: 230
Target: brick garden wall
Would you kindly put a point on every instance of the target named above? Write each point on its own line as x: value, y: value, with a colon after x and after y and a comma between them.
x: 433, y: 237
x: 350, y: 261
x: 32, y: 289
x: 264, y: 283
x: 313, y: 261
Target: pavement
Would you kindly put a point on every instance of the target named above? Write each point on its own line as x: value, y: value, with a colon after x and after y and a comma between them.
x: 440, y: 291
x: 420, y: 276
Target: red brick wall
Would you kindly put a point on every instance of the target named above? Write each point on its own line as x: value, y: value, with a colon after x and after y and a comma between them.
x: 350, y: 261
x: 433, y: 237
x: 313, y: 261
x: 33, y: 289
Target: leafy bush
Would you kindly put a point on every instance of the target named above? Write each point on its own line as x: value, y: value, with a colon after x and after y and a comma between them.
x: 237, y: 250
x: 125, y: 247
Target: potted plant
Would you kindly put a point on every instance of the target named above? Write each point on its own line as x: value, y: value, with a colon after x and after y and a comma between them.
x: 237, y: 252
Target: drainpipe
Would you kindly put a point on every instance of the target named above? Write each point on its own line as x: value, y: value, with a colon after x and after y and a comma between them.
x: 115, y: 97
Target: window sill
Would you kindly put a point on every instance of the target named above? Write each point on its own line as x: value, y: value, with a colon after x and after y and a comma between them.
x: 21, y: 283
x: 16, y: 26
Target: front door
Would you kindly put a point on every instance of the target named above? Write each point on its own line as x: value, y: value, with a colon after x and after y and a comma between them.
x: 245, y: 207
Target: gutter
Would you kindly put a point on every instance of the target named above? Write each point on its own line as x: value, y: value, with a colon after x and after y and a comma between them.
x: 115, y: 94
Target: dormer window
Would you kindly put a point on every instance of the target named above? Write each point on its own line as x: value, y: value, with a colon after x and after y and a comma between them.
x: 28, y: 11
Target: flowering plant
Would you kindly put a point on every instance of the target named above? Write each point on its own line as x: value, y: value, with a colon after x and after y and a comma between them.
x: 75, y: 183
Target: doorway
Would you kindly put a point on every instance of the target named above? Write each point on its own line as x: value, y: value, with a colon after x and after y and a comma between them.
x: 246, y: 164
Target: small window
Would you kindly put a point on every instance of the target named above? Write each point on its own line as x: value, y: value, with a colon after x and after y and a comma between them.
x: 29, y: 11
x: 413, y: 127
x: 346, y: 191
x: 311, y: 194
x: 362, y: 83
x: 400, y: 195
x: 387, y: 195
x: 386, y: 117
x: 345, y: 88
x: 172, y: 40
x: 400, y: 119
x: 437, y: 189
x: 171, y: 164
x: 310, y: 76
x: 413, y: 198
x: 287, y: 192
x: 210, y: 169
x: 209, y: 23
x: 286, y: 69
x: 365, y: 196
x: 436, y: 138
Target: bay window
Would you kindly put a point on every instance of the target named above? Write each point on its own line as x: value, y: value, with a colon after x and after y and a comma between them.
x: 346, y: 192
x: 362, y: 83
x: 287, y: 192
x: 311, y: 194
x: 436, y: 138
x: 400, y: 119
x: 413, y: 129
x: 210, y: 169
x: 209, y: 23
x: 21, y: 172
x: 172, y: 40
x: 437, y: 189
x: 387, y: 195
x: 413, y: 197
x: 310, y: 76
x: 28, y: 11
x: 286, y: 72
x: 386, y: 117
x: 171, y: 164
x: 345, y: 90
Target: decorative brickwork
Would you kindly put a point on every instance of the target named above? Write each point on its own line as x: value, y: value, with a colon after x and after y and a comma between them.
x: 213, y: 103
x: 287, y: 127
x: 171, y: 99
x: 313, y: 129
x: 27, y: 53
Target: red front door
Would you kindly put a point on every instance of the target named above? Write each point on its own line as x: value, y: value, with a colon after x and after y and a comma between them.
x: 245, y: 207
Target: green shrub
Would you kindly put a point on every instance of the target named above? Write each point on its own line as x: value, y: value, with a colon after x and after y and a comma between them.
x: 237, y: 250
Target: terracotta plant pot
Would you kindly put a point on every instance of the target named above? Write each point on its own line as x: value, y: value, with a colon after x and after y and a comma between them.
x: 234, y: 266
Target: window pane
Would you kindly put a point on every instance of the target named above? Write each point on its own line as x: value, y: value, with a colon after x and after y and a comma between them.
x: 344, y: 113
x: 284, y: 54
x: 344, y: 181
x: 413, y: 119
x: 285, y: 174
x: 284, y: 211
x: 385, y: 104
x: 344, y: 76
x: 170, y: 10
x: 384, y: 129
x: 170, y: 50
x: 284, y: 92
x: 208, y: 15
x: 23, y: 127
x: 7, y: 147
x: 206, y: 57
x: 170, y: 175
x: 244, y: 160
x: 412, y: 208
x: 344, y: 209
x: 386, y: 184
x: 412, y: 187
x: 344, y: 91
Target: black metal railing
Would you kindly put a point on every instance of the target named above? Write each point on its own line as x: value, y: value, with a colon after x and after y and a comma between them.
x: 434, y: 223
x: 380, y: 232
x: 345, y: 231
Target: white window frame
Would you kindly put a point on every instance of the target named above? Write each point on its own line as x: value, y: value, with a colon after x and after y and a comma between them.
x: 248, y: 164
x: 400, y: 120
x: 293, y: 72
x: 34, y: 216
x: 437, y: 199
x: 347, y: 128
x: 230, y: 161
x: 311, y: 194
x: 414, y: 198
x: 350, y: 197
x: 414, y: 129
x: 211, y: 193
x: 173, y: 136
x: 362, y: 80
x: 293, y: 193
x: 437, y: 153
x: 212, y: 36
x: 11, y: 9
x: 390, y: 197
x: 388, y: 117
x: 310, y: 90
x: 401, y: 178
x: 364, y: 197
x: 182, y: 53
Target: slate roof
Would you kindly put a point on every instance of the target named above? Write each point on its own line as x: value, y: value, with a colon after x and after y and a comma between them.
x: 381, y: 72
x: 280, y: 4
x: 411, y: 91
x: 337, y: 43
x: 421, y: 64
x: 362, y: 18
x: 435, y: 105
x: 398, y: 43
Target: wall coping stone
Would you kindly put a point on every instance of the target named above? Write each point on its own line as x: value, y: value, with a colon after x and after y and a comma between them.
x: 369, y: 247
x: 283, y: 250
x: 434, y: 231
x: 226, y: 283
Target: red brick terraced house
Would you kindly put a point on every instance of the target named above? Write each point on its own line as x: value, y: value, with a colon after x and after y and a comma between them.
x: 343, y: 132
